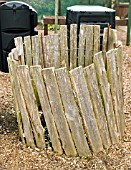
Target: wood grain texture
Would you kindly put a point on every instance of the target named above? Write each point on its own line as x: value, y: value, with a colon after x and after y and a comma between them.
x: 48, y: 116
x: 31, y: 104
x: 58, y: 112
x: 106, y: 95
x: 73, y: 46
x: 72, y: 112
x: 35, y: 50
x: 64, y: 62
x: 85, y: 104
x: 98, y: 107
x: 28, y: 50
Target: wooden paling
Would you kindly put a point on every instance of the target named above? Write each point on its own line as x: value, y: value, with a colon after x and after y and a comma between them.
x: 83, y: 106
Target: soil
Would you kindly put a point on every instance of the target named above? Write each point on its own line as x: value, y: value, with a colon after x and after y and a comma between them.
x: 16, y: 156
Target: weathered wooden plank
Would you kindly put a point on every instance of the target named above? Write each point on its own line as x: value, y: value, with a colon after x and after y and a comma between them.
x: 14, y: 55
x: 106, y: 95
x: 22, y: 112
x: 35, y: 50
x: 47, y: 58
x: 109, y: 39
x: 28, y: 93
x: 54, y: 48
x: 72, y: 112
x: 28, y: 52
x: 89, y: 45
x: 58, y: 112
x: 20, y: 49
x: 41, y: 89
x: 63, y: 47
x: 98, y: 107
x: 114, y: 84
x: 119, y: 61
x: 81, y: 49
x: 96, y: 37
x: 41, y: 54
x: 85, y: 104
x: 73, y: 46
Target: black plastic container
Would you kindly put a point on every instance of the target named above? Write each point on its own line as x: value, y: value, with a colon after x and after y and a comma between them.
x: 16, y: 19
x: 91, y: 15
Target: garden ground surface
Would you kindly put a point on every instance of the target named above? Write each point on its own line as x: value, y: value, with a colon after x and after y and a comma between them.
x: 15, y: 156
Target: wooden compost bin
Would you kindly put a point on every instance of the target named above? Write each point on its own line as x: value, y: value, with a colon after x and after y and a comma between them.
x: 78, y: 91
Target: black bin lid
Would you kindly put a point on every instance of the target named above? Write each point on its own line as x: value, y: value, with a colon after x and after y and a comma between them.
x: 17, y: 5
x: 89, y: 8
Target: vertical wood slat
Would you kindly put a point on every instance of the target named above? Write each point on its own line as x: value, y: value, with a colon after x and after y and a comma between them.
x: 81, y: 48
x: 41, y: 54
x: 98, y: 107
x: 28, y: 50
x: 47, y: 58
x: 63, y: 46
x: 113, y: 80
x: 89, y: 45
x: 58, y: 112
x: 28, y: 93
x: 91, y: 129
x: 41, y: 89
x: 20, y: 49
x: 109, y: 40
x: 96, y: 37
x: 22, y: 112
x: 35, y: 50
x: 14, y: 55
x: 72, y: 112
x: 55, y: 50
x: 73, y: 46
x: 106, y: 95
x: 118, y: 58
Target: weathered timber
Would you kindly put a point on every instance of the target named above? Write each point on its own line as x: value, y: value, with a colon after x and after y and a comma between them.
x: 28, y: 52
x: 63, y: 46
x: 46, y: 47
x: 85, y: 104
x: 81, y: 49
x: 72, y: 112
x: 41, y: 54
x: 98, y: 107
x: 55, y: 50
x: 14, y: 55
x: 73, y: 46
x: 58, y: 112
x: 48, y: 116
x: 28, y: 93
x: 109, y: 39
x: 20, y: 49
x: 89, y: 45
x: 35, y: 50
x: 22, y: 112
x: 96, y: 37
x: 118, y: 58
x: 106, y: 95
x: 113, y: 80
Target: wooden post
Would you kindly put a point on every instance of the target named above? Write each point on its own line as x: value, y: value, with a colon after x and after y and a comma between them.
x: 73, y: 46
x: 56, y: 14
x: 28, y: 52
x: 20, y: 49
x: 64, y: 62
x: 85, y: 105
x: 72, y: 112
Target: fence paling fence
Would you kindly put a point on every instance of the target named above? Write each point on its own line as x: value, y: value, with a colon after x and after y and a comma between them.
x: 83, y: 107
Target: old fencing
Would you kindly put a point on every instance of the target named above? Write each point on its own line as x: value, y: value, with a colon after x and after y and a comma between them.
x: 77, y: 91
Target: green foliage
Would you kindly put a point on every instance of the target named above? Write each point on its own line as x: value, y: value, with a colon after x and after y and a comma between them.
x: 47, y: 7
